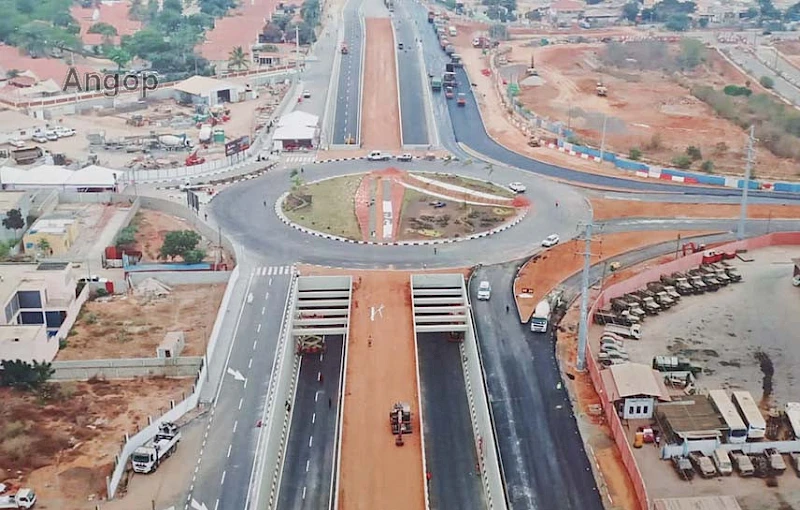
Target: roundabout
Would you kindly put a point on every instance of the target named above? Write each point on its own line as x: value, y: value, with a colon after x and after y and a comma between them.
x: 395, y: 207
x: 253, y: 215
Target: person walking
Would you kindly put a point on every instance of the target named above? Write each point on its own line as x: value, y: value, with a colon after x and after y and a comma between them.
x: 330, y: 403
x: 507, y: 308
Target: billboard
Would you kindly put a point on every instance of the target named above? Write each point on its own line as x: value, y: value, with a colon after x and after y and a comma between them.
x: 237, y: 146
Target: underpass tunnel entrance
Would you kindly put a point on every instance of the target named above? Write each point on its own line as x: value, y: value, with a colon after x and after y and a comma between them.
x: 439, y: 303
x: 322, y: 307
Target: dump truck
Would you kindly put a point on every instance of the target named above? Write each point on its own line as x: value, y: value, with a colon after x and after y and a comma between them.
x: 633, y: 331
x: 23, y: 498
x: 436, y: 84
x: 663, y: 300
x: 400, y: 421
x: 540, y: 321
x: 680, y: 283
x: 648, y: 304
x: 730, y: 270
x: 676, y: 364
x: 610, y: 317
x: 696, y: 282
x: 622, y: 305
x: 711, y: 282
x: 149, y: 456
x: 669, y: 290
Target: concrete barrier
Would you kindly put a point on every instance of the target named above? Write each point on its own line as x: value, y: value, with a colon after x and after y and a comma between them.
x: 181, y: 277
x: 425, y: 491
x: 83, y: 370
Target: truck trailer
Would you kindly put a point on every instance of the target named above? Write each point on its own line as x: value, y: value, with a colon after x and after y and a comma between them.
x: 540, y: 321
x: 149, y: 456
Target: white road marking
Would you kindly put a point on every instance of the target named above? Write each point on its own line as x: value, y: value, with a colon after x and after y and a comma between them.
x: 308, y: 464
x: 270, y: 282
x: 216, y: 505
x: 319, y: 376
x: 263, y: 310
x: 229, y: 450
x: 270, y: 271
x: 266, y: 296
x: 255, y: 342
x: 223, y: 478
x: 245, y: 384
x: 304, y: 493
x: 316, y: 396
x: 310, y: 441
x: 250, y: 363
x: 197, y: 468
x: 241, y: 400
x: 258, y: 329
x: 313, y: 417
x: 235, y: 424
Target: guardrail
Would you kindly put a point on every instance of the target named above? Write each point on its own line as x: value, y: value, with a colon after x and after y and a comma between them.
x: 361, y: 77
x: 337, y: 459
x: 397, y: 80
x: 419, y: 398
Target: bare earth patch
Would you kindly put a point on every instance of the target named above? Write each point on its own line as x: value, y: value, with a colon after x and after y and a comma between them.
x: 605, y: 209
x: 64, y: 448
x: 129, y: 327
x: 473, y: 184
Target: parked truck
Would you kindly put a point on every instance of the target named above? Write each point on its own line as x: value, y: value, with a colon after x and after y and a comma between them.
x: 663, y: 301
x: 711, y: 282
x: 679, y: 282
x: 648, y: 304
x: 634, y: 331
x: 23, y: 498
x: 622, y: 305
x: 730, y: 270
x: 721, y: 276
x: 659, y: 287
x: 436, y: 84
x: 676, y: 364
x: 611, y: 317
x: 540, y: 322
x: 149, y: 456
x: 696, y: 282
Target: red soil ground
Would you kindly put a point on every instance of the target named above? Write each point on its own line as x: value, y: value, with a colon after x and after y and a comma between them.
x: 380, y: 111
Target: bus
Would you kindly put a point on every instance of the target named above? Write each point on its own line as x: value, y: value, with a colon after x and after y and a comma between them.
x: 737, y: 430
x: 756, y: 424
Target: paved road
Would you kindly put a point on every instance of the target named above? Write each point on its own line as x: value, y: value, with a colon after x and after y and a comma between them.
x: 544, y: 463
x: 348, y: 100
x: 226, y: 463
x: 756, y: 69
x: 449, y: 443
x: 412, y: 95
x: 310, y: 451
x: 237, y: 207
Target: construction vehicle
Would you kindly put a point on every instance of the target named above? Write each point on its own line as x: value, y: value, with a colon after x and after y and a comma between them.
x: 174, y: 142
x: 400, y: 421
x: 633, y: 331
x: 540, y: 322
x: 680, y: 283
x: 696, y: 282
x: 601, y: 89
x: 436, y: 84
x: 531, y: 71
x: 669, y: 290
x: 193, y: 159
x: 534, y: 141
x: 691, y: 247
x: 711, y: 282
x: 462, y: 99
x: 622, y: 305
x: 648, y: 304
x: 344, y: 49
x: 676, y: 364
x: 663, y: 300
x: 718, y: 274
x: 205, y: 134
x: 23, y: 498
x: 135, y: 121
x: 703, y: 465
x: 730, y: 270
x: 609, y: 317
x: 149, y: 456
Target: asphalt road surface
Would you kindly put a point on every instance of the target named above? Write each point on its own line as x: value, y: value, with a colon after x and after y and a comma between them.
x: 543, y: 458
x: 311, y: 449
x: 449, y: 443
x: 348, y: 101
x: 226, y: 464
x: 756, y: 69
x: 412, y: 96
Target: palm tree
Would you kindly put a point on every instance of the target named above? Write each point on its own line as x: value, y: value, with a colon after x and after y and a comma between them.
x: 44, y: 246
x: 238, y: 59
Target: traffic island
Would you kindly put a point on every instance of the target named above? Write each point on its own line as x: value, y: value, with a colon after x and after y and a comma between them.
x: 392, y: 206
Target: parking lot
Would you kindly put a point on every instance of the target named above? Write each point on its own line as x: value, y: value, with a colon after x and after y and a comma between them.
x: 745, y: 336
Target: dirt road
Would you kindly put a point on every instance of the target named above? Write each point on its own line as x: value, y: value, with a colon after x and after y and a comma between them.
x: 604, y: 209
x: 374, y: 472
x: 380, y: 111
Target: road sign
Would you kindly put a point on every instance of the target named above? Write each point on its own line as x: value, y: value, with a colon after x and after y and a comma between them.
x: 237, y: 146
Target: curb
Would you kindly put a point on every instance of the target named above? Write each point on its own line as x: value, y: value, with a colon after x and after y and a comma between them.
x: 286, y: 221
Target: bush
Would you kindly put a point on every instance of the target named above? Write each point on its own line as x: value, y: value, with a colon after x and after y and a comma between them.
x: 694, y: 153
x: 736, y: 90
x: 91, y: 318
x: 655, y: 142
x: 635, y: 154
x: 766, y: 82
x: 682, y: 161
x: 707, y: 166
x: 127, y: 236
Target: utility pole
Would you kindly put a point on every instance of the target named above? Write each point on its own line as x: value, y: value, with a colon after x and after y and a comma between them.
x: 297, y: 50
x: 745, y: 188
x: 603, y: 139
x: 584, y: 326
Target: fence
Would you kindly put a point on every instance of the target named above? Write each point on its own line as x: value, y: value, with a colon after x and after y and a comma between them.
x: 82, y: 370
x: 637, y: 281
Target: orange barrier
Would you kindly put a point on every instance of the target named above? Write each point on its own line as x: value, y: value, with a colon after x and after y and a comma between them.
x: 635, y: 282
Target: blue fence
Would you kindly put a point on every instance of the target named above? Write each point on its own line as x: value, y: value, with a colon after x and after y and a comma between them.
x: 711, y: 180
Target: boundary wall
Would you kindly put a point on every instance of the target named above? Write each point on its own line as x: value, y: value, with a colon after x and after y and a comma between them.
x: 83, y: 370
x: 680, y: 264
x: 422, y: 279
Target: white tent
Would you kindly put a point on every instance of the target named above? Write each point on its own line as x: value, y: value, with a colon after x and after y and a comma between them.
x: 298, y: 118
x: 294, y: 133
x: 50, y: 176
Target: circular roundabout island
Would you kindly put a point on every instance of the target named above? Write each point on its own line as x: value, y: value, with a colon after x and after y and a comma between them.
x: 392, y: 207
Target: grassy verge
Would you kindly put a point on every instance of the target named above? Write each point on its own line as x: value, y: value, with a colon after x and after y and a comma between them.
x: 472, y: 184
x: 329, y: 207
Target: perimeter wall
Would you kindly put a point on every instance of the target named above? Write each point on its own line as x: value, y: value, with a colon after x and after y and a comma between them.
x: 638, y: 281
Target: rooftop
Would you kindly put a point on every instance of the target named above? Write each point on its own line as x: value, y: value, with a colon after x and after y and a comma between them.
x: 567, y: 5
x: 197, y: 85
x: 693, y: 415
x: 10, y: 277
x: 51, y: 225
x: 16, y: 341
x: 701, y: 503
x: 44, y: 68
x: 239, y: 29
x: 10, y: 199
x: 15, y: 121
x: 115, y: 14
x: 631, y: 379
x: 52, y: 266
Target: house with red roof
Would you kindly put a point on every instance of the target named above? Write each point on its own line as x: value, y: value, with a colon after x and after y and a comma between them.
x: 566, y: 12
x: 116, y: 14
x: 35, y: 77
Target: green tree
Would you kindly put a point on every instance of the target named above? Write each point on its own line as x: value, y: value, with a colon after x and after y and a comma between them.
x: 14, y: 221
x: 630, y: 11
x: 766, y: 82
x: 178, y: 243
x: 22, y: 375
x: 103, y: 28
x: 194, y: 256
x: 678, y: 23
x: 703, y: 22
x: 682, y: 161
x: 44, y: 246
x: 238, y: 59
x: 119, y: 56
x: 692, y: 53
x: 694, y: 153
x: 126, y: 237
x: 635, y: 154
x: 707, y: 166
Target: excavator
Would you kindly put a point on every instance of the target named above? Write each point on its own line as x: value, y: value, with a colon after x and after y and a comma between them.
x: 400, y: 421
x: 193, y: 159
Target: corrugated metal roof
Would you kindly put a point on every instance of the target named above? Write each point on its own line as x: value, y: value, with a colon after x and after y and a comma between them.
x: 630, y: 379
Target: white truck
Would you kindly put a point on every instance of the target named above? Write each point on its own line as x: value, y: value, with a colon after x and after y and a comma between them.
x: 633, y: 331
x: 149, y: 456
x: 540, y: 321
x: 205, y: 133
x: 24, y: 498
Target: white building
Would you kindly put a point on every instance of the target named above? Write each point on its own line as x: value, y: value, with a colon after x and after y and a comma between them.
x: 296, y: 131
x: 633, y: 389
x: 209, y: 91
x: 18, y: 126
x: 90, y: 178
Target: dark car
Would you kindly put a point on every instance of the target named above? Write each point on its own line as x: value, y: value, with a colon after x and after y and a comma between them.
x: 437, y: 204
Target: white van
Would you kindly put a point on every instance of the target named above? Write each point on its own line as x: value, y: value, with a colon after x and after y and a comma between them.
x: 452, y: 31
x: 723, y: 461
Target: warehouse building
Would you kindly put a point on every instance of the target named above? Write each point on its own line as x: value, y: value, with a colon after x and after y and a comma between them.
x: 208, y: 91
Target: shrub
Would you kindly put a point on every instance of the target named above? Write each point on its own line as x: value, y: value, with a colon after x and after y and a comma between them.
x: 90, y: 318
x: 635, y: 154
x: 766, y: 82
x: 682, y: 161
x: 694, y: 153
x: 707, y: 166
x: 736, y: 90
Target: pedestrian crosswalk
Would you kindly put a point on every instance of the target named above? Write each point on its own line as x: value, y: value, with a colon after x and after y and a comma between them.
x: 299, y: 159
x: 273, y: 270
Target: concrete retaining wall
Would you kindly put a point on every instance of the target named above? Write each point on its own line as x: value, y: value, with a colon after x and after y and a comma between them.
x: 614, y: 422
x: 182, y: 277
x: 82, y: 370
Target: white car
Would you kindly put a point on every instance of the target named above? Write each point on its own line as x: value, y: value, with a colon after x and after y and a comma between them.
x: 306, y: 94
x: 550, y: 240
x: 517, y: 187
x: 16, y: 143
x: 484, y: 291
x: 405, y: 157
x: 379, y: 156
x: 63, y: 132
